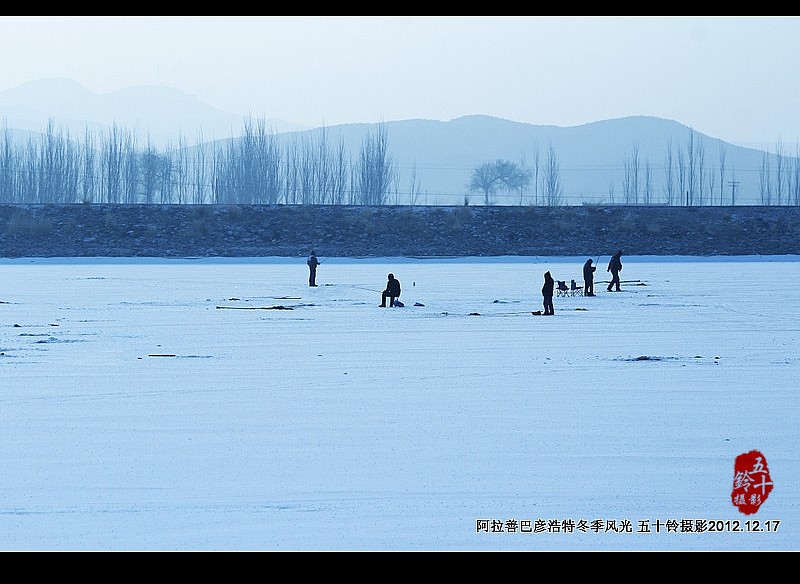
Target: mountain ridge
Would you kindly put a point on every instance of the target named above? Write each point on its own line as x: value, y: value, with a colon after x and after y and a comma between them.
x: 593, y: 160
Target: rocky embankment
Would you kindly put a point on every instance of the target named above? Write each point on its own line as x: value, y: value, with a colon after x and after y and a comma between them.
x: 113, y: 230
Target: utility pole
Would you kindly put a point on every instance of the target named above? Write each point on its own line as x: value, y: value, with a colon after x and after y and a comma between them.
x: 734, y: 184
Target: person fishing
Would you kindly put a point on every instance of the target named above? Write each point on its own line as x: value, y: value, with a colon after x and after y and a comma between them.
x: 615, y: 267
x: 312, y: 262
x: 588, y: 278
x: 392, y: 291
x: 547, y: 294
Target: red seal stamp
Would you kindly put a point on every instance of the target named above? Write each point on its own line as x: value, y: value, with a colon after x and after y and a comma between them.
x: 751, y: 482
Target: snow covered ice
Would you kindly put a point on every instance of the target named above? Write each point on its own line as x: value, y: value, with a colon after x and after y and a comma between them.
x: 152, y: 404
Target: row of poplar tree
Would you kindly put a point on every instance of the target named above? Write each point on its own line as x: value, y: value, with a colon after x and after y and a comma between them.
x: 259, y: 168
x: 254, y: 168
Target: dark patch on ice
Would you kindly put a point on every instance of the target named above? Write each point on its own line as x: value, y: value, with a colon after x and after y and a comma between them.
x: 474, y: 314
x: 277, y: 307
x: 55, y: 340
x: 660, y: 358
x: 175, y: 355
x: 668, y: 305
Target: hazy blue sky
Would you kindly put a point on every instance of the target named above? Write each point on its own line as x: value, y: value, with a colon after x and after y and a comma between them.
x: 734, y: 78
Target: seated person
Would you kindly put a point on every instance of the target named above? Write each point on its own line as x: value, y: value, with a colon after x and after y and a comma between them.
x: 391, y: 292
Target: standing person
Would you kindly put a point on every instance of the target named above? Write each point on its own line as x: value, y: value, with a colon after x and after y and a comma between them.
x: 547, y: 294
x: 312, y: 262
x: 615, y: 267
x: 588, y: 278
x: 391, y: 292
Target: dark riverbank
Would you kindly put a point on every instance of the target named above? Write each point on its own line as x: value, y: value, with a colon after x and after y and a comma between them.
x: 418, y: 231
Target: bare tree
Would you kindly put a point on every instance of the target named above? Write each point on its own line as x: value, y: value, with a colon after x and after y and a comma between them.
x: 220, y: 188
x: 111, y: 164
x: 691, y: 176
x: 682, y: 177
x: 180, y: 172
x: 88, y: 189
x: 130, y: 170
x: 780, y: 173
x: 711, y: 185
x: 27, y: 184
x: 340, y: 174
x: 631, y: 178
x: 271, y: 159
x: 484, y: 180
x: 765, y: 186
x: 647, y: 190
x: 291, y: 172
x: 354, y: 194
x: 8, y: 167
x: 322, y: 169
x: 490, y: 177
x: 553, y: 191
x: 795, y: 188
x: 413, y: 186
x: 375, y: 168
x: 166, y: 170
x: 514, y: 178
x: 701, y: 157
x: 150, y: 164
x: 721, y: 170
x: 199, y: 180
x: 307, y: 160
x: 536, y: 167
x: 395, y: 189
x: 669, y: 175
x: 57, y: 167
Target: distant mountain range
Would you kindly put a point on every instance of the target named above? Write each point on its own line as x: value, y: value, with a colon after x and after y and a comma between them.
x: 594, y: 161
x: 157, y: 112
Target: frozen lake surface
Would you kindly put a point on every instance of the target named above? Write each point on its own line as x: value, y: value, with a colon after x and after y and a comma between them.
x: 223, y: 404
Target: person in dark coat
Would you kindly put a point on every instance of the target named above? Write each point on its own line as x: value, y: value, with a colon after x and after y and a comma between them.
x: 312, y: 262
x: 615, y: 267
x: 391, y: 292
x: 588, y: 278
x: 547, y: 294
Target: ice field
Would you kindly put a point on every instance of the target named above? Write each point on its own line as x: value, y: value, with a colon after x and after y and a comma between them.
x: 223, y: 404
